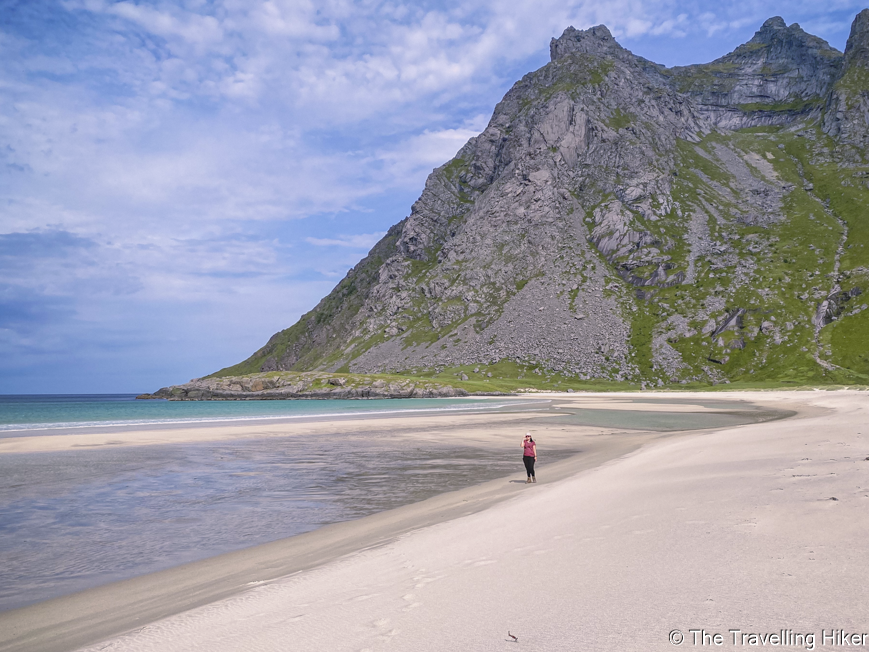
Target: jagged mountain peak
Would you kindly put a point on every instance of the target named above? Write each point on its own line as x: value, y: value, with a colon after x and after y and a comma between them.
x: 775, y: 40
x: 594, y: 40
x: 771, y: 24
x: 857, y: 48
x: 848, y: 104
x: 781, y: 71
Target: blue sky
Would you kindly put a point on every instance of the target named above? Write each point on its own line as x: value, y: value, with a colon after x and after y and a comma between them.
x: 179, y: 180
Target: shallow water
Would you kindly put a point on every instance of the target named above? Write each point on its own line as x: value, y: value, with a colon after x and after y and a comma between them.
x: 71, y: 520
x: 77, y: 519
x: 665, y: 421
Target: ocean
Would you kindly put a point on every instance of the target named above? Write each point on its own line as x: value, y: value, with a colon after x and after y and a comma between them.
x: 76, y: 519
x: 71, y: 411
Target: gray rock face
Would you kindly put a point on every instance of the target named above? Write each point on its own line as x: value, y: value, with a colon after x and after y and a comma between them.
x: 501, y: 228
x: 597, y: 41
x: 847, y: 117
x: 601, y: 180
x: 780, y: 73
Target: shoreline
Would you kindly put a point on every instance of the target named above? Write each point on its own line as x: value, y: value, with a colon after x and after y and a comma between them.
x: 87, y: 617
x: 180, y: 432
x: 39, y: 429
x: 527, y: 406
x: 522, y: 399
x: 81, y: 618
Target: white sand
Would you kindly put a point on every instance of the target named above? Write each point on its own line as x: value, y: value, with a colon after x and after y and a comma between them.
x: 731, y: 529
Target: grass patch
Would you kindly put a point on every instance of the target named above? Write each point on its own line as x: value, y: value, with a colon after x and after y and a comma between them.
x: 619, y: 120
x: 798, y: 105
x: 849, y: 337
x: 571, y: 74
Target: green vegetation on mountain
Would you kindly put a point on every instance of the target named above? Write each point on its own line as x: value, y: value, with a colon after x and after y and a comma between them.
x: 618, y: 225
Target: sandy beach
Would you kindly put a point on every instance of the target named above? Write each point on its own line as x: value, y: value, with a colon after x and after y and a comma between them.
x: 759, y: 528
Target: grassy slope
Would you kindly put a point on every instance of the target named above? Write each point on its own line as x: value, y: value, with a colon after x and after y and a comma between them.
x: 781, y: 289
x: 787, y: 267
x: 847, y: 195
x: 508, y: 381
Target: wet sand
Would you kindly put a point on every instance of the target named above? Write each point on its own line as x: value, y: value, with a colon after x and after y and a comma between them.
x: 220, y: 582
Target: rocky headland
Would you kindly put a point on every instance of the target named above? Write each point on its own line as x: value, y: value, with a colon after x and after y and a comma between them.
x: 288, y: 385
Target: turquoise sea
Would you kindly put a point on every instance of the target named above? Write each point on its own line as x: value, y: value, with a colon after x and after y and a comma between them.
x: 73, y: 411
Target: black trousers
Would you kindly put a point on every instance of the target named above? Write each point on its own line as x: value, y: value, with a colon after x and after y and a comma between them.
x: 529, y: 465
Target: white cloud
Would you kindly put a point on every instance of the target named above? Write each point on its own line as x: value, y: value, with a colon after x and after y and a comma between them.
x: 413, y: 159
x: 821, y: 27
x: 295, y: 19
x: 674, y: 26
x: 173, y: 22
x: 359, y: 241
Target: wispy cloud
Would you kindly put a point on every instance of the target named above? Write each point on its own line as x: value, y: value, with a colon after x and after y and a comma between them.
x: 360, y: 241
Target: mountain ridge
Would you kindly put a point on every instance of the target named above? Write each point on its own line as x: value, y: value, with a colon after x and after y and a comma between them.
x: 619, y: 221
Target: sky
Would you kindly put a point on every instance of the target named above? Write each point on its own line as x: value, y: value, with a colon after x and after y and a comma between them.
x: 179, y: 180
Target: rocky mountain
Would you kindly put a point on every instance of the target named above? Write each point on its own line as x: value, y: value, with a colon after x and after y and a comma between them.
x: 781, y: 73
x: 618, y: 220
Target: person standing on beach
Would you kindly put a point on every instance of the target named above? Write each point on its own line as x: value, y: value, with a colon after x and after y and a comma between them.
x: 529, y: 456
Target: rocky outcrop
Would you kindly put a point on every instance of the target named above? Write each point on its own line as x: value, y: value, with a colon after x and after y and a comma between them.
x: 597, y: 41
x: 781, y: 73
x: 835, y: 305
x: 304, y: 386
x: 847, y: 117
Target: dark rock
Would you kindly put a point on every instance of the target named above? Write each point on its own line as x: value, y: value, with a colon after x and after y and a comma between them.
x: 300, y: 386
x: 733, y: 321
x: 834, y: 305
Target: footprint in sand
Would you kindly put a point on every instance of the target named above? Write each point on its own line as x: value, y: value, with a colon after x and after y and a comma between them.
x: 422, y: 580
x: 381, y: 625
x: 360, y: 598
x: 411, y: 599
